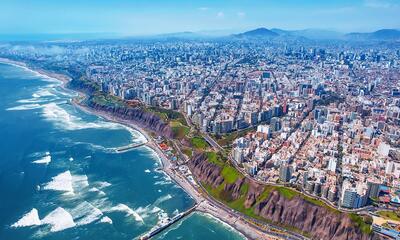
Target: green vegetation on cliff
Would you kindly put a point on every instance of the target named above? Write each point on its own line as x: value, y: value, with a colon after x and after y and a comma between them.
x: 199, y: 143
x: 106, y: 100
x: 215, y: 158
x: 180, y: 131
x: 362, y: 222
x: 391, y: 215
x: 226, y: 140
x: 231, y: 176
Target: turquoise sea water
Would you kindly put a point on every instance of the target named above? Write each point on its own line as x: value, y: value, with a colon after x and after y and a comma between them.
x: 61, y: 179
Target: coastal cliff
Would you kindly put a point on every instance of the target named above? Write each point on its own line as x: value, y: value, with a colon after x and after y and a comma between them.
x: 116, y: 107
x: 278, y: 205
x: 140, y: 117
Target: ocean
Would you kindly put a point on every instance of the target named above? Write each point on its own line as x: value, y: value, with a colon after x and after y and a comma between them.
x: 60, y: 177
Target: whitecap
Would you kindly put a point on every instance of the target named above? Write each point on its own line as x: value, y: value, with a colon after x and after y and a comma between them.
x: 61, y: 182
x: 162, y: 199
x: 44, y: 160
x: 147, y: 171
x: 43, y: 93
x: 71, y: 159
x: 80, y: 181
x: 24, y: 107
x: 32, y: 100
x: 62, y: 119
x: 129, y: 212
x: 147, y: 211
x: 96, y: 190
x: 106, y: 219
x: 103, y: 184
x: 59, y: 219
x: 162, y: 182
x: 86, y: 213
x: 29, y: 219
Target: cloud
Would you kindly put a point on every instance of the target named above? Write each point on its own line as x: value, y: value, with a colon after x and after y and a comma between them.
x: 378, y: 4
x: 241, y: 14
x: 220, y: 14
x: 203, y: 8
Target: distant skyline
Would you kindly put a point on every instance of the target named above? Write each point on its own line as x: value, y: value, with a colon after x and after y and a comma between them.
x: 145, y: 17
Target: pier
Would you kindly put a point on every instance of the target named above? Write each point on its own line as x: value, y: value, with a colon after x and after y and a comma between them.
x: 164, y: 225
x: 129, y: 147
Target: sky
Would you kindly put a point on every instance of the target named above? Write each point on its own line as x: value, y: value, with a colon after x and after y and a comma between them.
x: 146, y: 17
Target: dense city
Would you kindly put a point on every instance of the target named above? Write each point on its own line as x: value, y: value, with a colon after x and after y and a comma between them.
x: 319, y: 117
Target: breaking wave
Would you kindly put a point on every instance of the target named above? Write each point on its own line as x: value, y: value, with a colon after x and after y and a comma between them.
x: 46, y: 159
x: 29, y: 219
x: 59, y: 219
x: 25, y: 107
x: 129, y: 212
x: 65, y: 182
x: 86, y: 213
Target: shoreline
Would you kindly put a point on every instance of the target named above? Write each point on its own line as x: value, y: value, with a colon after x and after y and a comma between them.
x: 188, y: 188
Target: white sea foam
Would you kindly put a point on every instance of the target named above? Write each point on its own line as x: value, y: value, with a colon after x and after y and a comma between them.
x: 147, y: 171
x: 162, y: 199
x: 96, y: 190
x: 61, y: 118
x: 86, y: 213
x: 220, y: 222
x: 38, y: 154
x: 129, y: 212
x: 43, y: 93
x: 103, y: 184
x: 59, y: 219
x: 162, y: 182
x: 106, y: 219
x: 25, y: 107
x: 71, y: 159
x: 32, y: 100
x: 61, y: 182
x: 80, y: 181
x: 29, y: 219
x: 147, y: 211
x: 44, y: 160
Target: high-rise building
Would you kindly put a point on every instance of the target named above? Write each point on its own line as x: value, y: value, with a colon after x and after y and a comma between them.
x: 350, y: 198
x: 373, y: 190
x: 285, y: 173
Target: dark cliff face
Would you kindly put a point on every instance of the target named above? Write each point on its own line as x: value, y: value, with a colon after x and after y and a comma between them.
x: 143, y: 119
x: 317, y: 221
x: 137, y: 115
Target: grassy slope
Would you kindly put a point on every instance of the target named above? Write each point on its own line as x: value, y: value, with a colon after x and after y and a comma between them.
x: 391, y: 215
x: 231, y: 175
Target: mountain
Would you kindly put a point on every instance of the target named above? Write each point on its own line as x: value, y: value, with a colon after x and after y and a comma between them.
x: 316, y: 34
x: 258, y: 33
x: 382, y: 35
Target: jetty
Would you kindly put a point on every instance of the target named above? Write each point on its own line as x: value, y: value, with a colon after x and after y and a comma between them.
x: 163, y: 225
x: 129, y: 147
